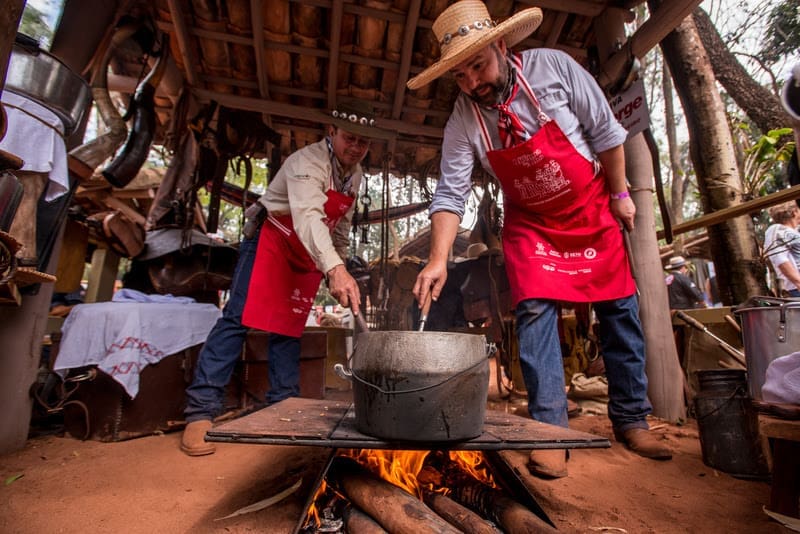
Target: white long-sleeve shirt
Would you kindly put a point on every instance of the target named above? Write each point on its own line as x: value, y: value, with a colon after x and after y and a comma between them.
x: 299, y: 188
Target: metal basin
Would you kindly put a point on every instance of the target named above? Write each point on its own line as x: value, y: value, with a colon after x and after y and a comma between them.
x: 40, y: 76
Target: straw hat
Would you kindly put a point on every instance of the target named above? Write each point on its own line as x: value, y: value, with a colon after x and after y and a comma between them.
x: 676, y: 262
x: 466, y: 27
x: 359, y: 118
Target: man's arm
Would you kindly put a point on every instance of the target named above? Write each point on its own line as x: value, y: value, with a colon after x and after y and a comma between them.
x: 613, y: 162
x: 444, y: 228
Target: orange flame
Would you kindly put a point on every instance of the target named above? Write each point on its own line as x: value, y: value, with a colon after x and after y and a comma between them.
x: 473, y: 463
x: 402, y: 469
x: 313, y: 511
x: 398, y: 467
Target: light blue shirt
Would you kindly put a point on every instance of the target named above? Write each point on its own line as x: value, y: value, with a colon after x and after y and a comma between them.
x: 566, y: 92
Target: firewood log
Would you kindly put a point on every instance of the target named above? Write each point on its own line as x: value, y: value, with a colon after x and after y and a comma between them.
x: 357, y: 521
x: 457, y: 515
x: 494, y: 504
x: 393, y: 508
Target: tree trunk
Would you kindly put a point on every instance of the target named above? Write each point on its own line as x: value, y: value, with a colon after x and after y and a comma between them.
x: 761, y: 106
x: 740, y: 273
x: 678, y: 176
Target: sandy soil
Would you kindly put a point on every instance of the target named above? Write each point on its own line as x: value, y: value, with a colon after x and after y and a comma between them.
x: 60, y: 484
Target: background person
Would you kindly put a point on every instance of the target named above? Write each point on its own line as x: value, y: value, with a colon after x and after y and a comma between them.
x: 309, y: 206
x: 540, y: 124
x: 682, y: 291
x: 782, y: 247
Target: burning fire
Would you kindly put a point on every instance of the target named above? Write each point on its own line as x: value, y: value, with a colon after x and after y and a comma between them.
x: 408, y: 470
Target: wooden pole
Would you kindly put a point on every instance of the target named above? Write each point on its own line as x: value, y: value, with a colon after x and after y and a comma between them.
x: 664, y: 373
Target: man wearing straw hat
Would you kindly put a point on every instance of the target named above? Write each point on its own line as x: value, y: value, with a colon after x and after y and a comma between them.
x: 300, y: 233
x: 540, y: 124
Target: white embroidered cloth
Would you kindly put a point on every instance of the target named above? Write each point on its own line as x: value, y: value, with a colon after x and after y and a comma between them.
x: 39, y: 145
x: 121, y: 338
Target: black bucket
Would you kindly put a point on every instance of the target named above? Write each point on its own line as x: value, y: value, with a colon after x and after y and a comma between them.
x: 728, y: 424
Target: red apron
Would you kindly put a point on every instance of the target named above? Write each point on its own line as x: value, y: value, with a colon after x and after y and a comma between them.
x: 285, y: 279
x: 560, y: 239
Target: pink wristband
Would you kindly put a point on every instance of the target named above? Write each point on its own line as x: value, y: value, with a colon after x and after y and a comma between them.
x: 620, y: 196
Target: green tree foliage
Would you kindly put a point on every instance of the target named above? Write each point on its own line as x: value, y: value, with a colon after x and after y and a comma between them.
x: 33, y: 24
x: 782, y: 35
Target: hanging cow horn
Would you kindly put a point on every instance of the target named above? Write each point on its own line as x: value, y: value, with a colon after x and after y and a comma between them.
x: 96, y: 151
x: 130, y: 159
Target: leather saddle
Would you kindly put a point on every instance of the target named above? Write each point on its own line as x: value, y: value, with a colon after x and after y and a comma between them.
x: 183, y: 263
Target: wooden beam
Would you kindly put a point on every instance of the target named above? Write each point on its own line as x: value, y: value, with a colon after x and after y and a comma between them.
x: 744, y: 208
x: 586, y: 8
x: 304, y: 113
x: 409, y: 32
x: 182, y: 34
x: 125, y: 209
x: 333, y: 62
x: 555, y: 31
x: 256, y: 19
x: 660, y: 23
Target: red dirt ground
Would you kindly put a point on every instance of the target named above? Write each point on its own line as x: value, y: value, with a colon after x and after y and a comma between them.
x: 60, y: 484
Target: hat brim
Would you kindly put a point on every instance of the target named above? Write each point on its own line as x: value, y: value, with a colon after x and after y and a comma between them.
x: 514, y: 29
x: 370, y: 132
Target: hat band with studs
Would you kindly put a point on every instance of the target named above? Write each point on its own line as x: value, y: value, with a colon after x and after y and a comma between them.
x: 352, y: 117
x: 465, y: 29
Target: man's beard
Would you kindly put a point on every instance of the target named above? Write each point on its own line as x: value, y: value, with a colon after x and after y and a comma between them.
x: 490, y: 97
x: 497, y: 88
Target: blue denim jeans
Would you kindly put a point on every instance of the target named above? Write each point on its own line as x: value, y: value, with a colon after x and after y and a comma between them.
x: 622, y: 346
x: 223, y: 348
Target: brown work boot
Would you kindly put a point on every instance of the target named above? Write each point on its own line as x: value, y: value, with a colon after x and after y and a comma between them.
x: 643, y: 443
x: 193, y: 440
x: 548, y: 463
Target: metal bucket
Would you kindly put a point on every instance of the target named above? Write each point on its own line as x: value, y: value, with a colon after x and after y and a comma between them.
x: 728, y: 424
x: 770, y: 329
x: 420, y: 386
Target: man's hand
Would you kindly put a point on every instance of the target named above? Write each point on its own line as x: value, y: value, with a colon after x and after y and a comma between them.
x: 344, y: 288
x: 430, y: 280
x: 625, y: 210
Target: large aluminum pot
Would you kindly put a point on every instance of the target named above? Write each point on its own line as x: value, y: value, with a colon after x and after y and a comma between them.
x: 40, y: 76
x: 770, y: 329
x: 420, y: 386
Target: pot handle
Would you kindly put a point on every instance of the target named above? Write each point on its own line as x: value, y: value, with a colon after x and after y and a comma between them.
x: 414, y: 390
x: 343, y: 371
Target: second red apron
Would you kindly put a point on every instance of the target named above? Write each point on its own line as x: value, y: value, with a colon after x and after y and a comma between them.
x: 285, y: 279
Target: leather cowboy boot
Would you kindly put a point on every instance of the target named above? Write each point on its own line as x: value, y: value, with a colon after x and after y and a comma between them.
x: 193, y: 440
x: 643, y: 443
x: 548, y: 463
